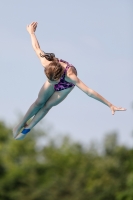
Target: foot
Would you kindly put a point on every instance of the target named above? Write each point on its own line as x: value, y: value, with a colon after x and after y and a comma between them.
x: 16, y: 130
x: 23, y: 133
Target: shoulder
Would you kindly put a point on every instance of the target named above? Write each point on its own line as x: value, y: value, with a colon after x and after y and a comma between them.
x: 40, y: 55
x: 71, y: 75
x: 72, y: 70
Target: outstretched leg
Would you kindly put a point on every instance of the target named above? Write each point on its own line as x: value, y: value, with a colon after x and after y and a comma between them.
x: 54, y: 100
x: 45, y: 93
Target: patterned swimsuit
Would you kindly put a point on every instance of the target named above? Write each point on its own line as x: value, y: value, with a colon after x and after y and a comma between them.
x: 62, y: 85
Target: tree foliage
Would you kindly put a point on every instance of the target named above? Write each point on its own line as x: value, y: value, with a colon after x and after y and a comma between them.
x: 66, y: 171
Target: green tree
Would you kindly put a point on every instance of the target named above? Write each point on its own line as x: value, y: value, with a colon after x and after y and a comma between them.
x: 65, y: 171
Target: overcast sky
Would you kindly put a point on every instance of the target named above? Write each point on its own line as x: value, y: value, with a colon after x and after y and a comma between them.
x: 96, y: 37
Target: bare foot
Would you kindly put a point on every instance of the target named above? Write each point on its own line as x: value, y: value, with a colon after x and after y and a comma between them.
x: 16, y: 130
x: 22, y: 134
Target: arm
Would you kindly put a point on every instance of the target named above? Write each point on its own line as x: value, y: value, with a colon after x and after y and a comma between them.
x: 91, y: 93
x: 35, y: 44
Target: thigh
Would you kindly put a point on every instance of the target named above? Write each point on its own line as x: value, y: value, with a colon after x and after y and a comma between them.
x: 45, y: 93
x: 57, y: 98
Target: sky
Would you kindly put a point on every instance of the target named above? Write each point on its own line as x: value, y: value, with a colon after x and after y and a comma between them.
x: 96, y: 37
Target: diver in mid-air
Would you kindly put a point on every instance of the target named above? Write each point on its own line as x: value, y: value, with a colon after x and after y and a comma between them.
x: 61, y: 79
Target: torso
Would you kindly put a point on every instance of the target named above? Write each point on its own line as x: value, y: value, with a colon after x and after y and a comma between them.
x: 64, y: 82
x: 64, y: 65
x: 71, y: 69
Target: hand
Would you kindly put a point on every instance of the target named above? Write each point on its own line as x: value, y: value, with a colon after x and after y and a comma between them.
x: 32, y: 27
x: 114, y: 108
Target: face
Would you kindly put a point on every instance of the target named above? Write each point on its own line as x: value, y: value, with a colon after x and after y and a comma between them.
x: 54, y: 82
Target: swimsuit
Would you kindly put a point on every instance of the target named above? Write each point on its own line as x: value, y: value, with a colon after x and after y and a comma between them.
x: 62, y: 85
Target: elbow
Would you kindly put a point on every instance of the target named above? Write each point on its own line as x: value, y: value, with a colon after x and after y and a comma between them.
x: 34, y: 47
x: 90, y: 92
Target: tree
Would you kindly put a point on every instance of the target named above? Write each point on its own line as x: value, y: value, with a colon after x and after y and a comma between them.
x: 65, y: 171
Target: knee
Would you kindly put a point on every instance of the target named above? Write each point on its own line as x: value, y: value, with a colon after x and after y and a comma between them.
x: 39, y: 103
x: 46, y: 107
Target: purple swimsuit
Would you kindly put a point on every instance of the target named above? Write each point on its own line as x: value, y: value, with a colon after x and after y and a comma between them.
x: 62, y: 85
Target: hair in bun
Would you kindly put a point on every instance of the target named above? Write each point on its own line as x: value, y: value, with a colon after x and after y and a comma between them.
x: 48, y: 56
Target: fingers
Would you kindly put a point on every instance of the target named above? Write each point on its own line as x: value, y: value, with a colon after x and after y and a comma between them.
x: 121, y: 109
x: 34, y: 24
x: 113, y: 112
x: 32, y: 27
x: 113, y: 109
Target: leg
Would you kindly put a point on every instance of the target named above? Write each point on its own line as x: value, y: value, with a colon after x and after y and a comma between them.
x: 45, y: 93
x: 54, y: 100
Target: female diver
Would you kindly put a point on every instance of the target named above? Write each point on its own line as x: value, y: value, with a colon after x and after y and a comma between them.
x: 61, y: 79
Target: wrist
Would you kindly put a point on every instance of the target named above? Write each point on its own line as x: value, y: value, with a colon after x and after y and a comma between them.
x: 32, y: 33
x: 110, y: 105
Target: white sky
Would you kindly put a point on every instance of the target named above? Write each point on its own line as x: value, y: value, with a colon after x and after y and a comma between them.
x: 96, y: 37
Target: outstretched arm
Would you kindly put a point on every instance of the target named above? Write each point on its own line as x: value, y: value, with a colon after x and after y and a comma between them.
x: 91, y: 93
x: 35, y: 44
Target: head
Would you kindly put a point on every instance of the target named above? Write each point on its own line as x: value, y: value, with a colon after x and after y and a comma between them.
x: 54, y: 70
